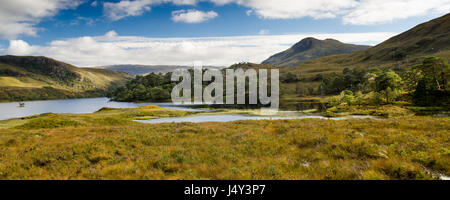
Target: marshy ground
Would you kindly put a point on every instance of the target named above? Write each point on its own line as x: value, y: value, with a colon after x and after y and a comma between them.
x: 108, y: 144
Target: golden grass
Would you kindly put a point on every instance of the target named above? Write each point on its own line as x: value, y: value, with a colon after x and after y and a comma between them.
x: 387, y: 111
x: 103, y: 117
x: 396, y: 148
x: 20, y: 82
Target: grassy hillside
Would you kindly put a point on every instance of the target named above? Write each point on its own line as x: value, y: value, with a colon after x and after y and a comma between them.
x: 399, y: 53
x: 32, y: 78
x: 311, y: 48
x: 402, y: 51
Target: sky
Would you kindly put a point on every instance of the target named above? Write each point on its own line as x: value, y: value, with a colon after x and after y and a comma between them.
x: 88, y: 33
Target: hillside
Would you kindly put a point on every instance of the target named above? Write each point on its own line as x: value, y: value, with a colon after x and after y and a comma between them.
x: 311, y: 48
x: 146, y: 69
x: 425, y: 39
x: 400, y: 53
x: 34, y: 78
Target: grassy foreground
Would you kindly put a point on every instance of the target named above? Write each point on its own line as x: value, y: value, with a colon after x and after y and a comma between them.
x: 109, y: 145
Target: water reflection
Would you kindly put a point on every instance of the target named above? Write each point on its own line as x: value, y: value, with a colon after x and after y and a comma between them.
x: 77, y: 106
x: 237, y: 117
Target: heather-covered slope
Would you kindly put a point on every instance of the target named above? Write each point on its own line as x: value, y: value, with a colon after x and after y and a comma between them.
x: 311, y: 48
x: 34, y: 78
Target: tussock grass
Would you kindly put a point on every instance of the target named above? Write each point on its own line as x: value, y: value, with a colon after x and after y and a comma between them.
x: 394, y: 148
x: 103, y: 117
x: 387, y: 111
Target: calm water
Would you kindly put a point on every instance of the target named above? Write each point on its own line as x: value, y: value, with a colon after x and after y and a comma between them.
x: 77, y: 106
x: 236, y: 117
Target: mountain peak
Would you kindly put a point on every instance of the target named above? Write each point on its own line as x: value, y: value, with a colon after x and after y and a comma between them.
x: 307, y: 43
x: 400, y: 52
x: 311, y: 48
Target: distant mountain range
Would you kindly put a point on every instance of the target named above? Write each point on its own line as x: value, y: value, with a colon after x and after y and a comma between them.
x: 146, y: 69
x: 32, y: 78
x: 309, y: 49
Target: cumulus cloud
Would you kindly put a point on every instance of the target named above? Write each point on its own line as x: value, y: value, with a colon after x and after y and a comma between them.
x: 119, y: 10
x: 280, y: 9
x: 384, y: 11
x: 111, y: 48
x: 20, y: 47
x: 264, y: 32
x: 360, y: 12
x: 289, y: 9
x: 19, y: 17
x: 192, y: 16
x: 125, y: 8
x: 82, y: 20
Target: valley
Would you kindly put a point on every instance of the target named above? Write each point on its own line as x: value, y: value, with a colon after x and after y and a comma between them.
x: 108, y: 144
x: 348, y: 112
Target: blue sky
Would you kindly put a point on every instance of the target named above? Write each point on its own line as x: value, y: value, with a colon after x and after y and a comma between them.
x: 128, y: 31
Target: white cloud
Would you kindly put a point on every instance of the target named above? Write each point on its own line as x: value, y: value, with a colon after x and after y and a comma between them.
x: 112, y: 48
x: 85, y: 20
x: 119, y: 10
x: 94, y: 4
x: 264, y: 32
x: 19, y: 17
x: 279, y: 9
x: 289, y: 9
x: 384, y: 11
x: 126, y: 8
x: 20, y: 47
x: 360, y: 12
x: 192, y: 16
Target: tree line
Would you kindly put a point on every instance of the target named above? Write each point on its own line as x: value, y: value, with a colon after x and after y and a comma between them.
x: 152, y: 87
x: 424, y: 84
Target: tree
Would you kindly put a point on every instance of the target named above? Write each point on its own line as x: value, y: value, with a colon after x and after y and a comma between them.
x: 140, y: 93
x: 359, y: 98
x: 301, y: 90
x: 425, y: 90
x: 310, y: 90
x: 387, y: 82
x: 436, y: 68
x: 411, y: 78
x: 152, y: 87
x: 159, y: 94
x: 289, y: 78
x: 353, y: 80
x: 347, y: 97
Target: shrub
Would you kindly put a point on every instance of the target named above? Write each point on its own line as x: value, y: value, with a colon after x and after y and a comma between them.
x: 49, y: 123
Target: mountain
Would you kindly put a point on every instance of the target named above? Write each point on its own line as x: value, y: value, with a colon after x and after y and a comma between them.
x: 400, y: 52
x: 33, y: 78
x: 146, y: 69
x: 311, y: 48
